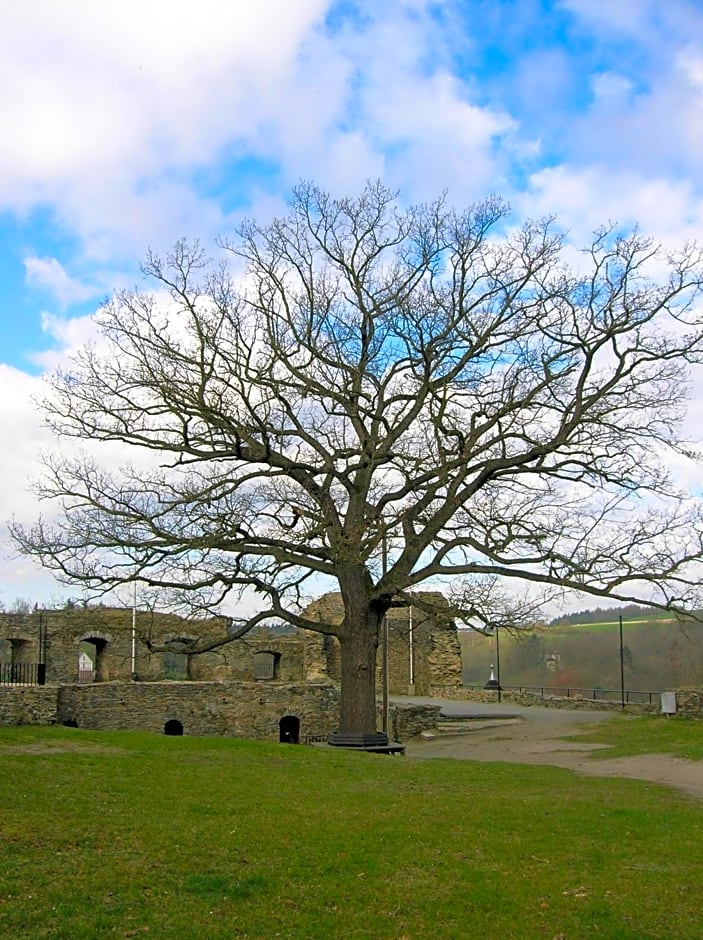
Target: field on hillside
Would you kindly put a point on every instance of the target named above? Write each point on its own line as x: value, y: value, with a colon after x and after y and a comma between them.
x: 131, y: 835
x: 607, y: 626
x: 658, y: 653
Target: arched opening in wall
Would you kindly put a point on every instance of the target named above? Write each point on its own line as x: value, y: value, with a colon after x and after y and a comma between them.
x: 70, y: 723
x: 173, y: 727
x: 92, y: 660
x: 5, y: 662
x: 15, y: 665
x: 267, y: 665
x: 176, y: 660
x: 289, y: 729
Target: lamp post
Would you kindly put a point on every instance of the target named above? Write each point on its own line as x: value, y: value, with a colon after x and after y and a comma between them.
x: 622, y: 669
x: 133, y: 651
x: 493, y: 682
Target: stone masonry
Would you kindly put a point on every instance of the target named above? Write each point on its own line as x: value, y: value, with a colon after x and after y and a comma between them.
x: 88, y: 655
x: 422, y: 649
x: 228, y: 709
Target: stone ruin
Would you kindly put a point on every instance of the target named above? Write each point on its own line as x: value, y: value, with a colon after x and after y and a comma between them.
x: 94, y: 644
x: 80, y: 667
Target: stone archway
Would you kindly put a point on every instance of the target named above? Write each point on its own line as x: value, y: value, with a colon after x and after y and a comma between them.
x: 92, y: 659
x: 173, y: 727
x: 289, y: 729
x: 15, y: 660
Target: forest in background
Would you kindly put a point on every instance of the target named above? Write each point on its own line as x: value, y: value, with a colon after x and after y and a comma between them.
x: 582, y: 650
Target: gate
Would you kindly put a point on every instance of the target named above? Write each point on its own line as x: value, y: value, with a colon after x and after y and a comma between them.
x: 22, y: 674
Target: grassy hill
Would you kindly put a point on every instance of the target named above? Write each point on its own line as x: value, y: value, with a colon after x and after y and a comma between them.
x: 658, y: 653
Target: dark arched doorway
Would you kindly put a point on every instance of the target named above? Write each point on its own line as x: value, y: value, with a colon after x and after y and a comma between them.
x: 289, y: 729
x: 173, y: 726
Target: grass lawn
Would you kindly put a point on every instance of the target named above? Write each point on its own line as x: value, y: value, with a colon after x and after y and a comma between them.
x: 647, y: 735
x: 131, y: 835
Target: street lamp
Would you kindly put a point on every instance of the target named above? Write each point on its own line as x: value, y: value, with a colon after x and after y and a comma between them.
x: 494, y: 681
x: 622, y: 669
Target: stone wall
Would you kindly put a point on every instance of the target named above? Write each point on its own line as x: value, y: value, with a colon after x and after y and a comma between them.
x: 229, y: 709
x: 407, y: 721
x: 300, y: 657
x: 421, y: 648
x: 252, y: 709
x: 444, y: 660
x: 28, y: 706
x: 689, y: 703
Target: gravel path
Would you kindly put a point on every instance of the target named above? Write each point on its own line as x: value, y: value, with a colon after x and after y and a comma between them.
x: 535, y: 736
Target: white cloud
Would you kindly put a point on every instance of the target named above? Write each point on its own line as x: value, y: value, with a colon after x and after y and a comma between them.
x: 103, y: 98
x: 69, y: 334
x: 611, y: 89
x: 123, y: 103
x: 647, y: 21
x: 647, y: 105
x: 585, y: 198
x: 124, y: 122
x: 50, y: 274
x: 22, y: 436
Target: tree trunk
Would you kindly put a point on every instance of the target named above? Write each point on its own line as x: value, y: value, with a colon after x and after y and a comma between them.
x: 358, y: 641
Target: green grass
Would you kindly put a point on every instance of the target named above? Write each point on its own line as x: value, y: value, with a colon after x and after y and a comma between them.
x: 627, y: 735
x: 131, y: 835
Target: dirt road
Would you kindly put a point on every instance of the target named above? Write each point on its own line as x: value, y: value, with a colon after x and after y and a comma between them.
x: 536, y: 735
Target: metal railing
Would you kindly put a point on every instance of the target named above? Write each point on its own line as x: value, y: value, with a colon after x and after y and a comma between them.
x: 631, y: 696
x: 22, y: 674
x: 314, y: 738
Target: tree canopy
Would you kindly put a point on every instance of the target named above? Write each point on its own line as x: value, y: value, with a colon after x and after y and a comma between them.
x: 371, y: 396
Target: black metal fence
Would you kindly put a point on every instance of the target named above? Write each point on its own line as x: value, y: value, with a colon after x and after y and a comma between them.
x: 315, y: 738
x: 22, y: 674
x: 631, y: 696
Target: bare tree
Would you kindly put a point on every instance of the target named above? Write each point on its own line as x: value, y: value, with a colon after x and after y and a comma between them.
x: 386, y: 396
x: 21, y: 605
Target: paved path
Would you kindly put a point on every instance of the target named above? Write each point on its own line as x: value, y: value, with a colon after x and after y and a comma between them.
x: 537, y: 738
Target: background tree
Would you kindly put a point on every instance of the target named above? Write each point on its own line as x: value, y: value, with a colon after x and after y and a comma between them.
x: 410, y: 384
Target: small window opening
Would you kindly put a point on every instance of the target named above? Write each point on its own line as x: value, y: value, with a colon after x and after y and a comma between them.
x: 266, y: 665
x: 176, y: 661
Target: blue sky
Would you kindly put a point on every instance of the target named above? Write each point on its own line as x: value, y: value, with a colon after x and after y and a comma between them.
x: 130, y: 125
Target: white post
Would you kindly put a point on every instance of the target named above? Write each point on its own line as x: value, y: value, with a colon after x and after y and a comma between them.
x: 410, y: 638
x: 134, y: 633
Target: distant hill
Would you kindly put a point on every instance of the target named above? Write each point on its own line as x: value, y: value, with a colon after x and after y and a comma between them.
x: 607, y: 614
x: 582, y: 650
